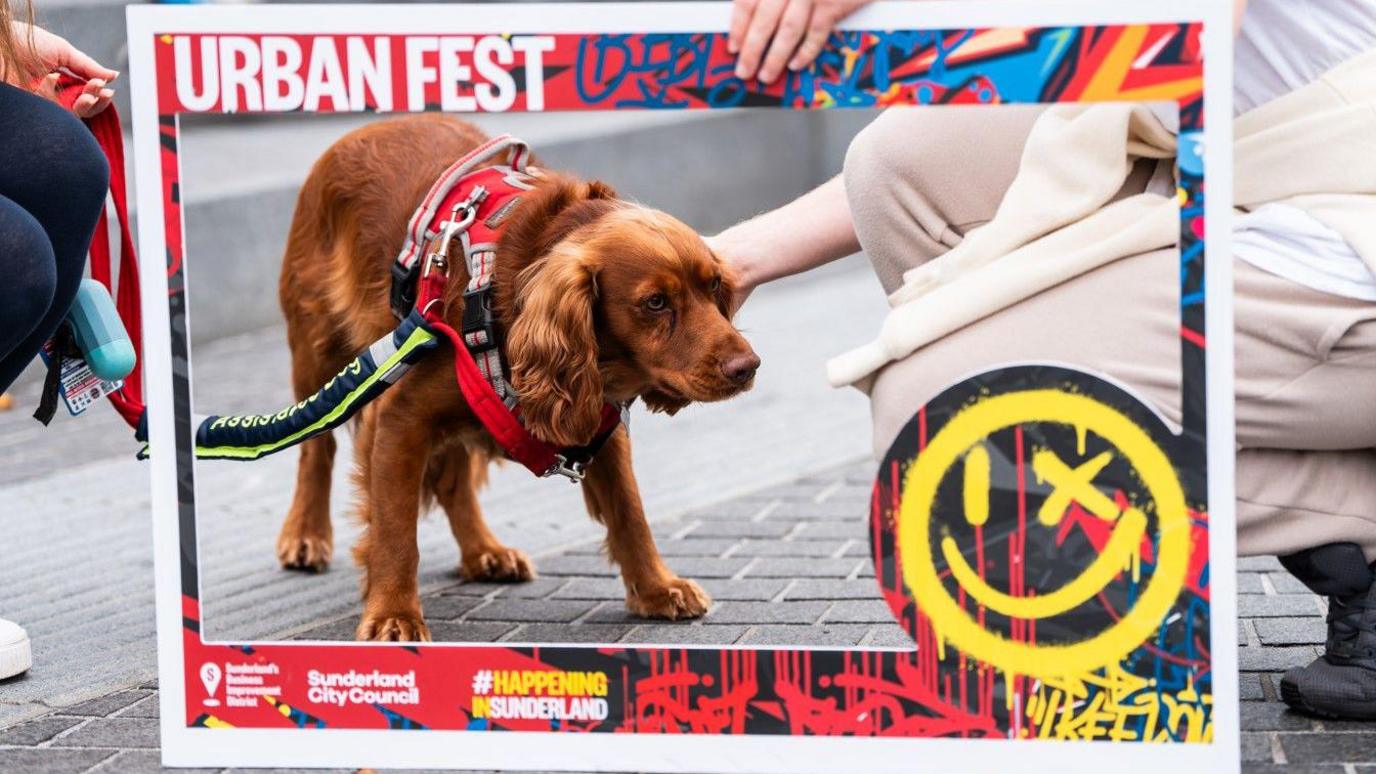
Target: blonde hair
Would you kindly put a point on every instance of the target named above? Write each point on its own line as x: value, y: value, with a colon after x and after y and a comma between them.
x: 19, y: 64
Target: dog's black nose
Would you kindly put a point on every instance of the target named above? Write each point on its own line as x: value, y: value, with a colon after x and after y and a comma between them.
x: 741, y: 368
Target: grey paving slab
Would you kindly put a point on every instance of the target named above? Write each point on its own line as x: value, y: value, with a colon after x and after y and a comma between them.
x: 858, y: 548
x: 536, y: 610
x: 700, y: 567
x: 888, y: 636
x: 448, y: 608
x: 741, y: 529
x: 1285, y: 583
x: 1273, y: 716
x: 1328, y: 748
x: 49, y: 761
x: 106, y: 705
x: 797, y: 491
x: 591, y: 588
x: 824, y: 511
x: 768, y: 613
x: 19, y: 711
x: 1273, y: 659
x: 289, y: 771
x: 675, y: 547
x: 139, y: 762
x: 1276, y: 605
x: 1291, y: 631
x: 335, y: 630
x: 148, y: 708
x: 566, y: 633
x: 1256, y: 747
x: 830, y: 635
x: 802, y: 568
x: 536, y: 588
x: 656, y: 634
x: 748, y: 589
x: 1259, y: 564
x: 731, y: 510
x: 114, y: 732
x: 1292, y: 769
x: 37, y: 731
x: 467, y: 631
x: 833, y: 530
x: 789, y: 548
x: 576, y: 565
x: 809, y: 588
x: 616, y: 613
x: 860, y: 611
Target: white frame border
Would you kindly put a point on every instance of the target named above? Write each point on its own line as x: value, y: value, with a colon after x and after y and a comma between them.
x: 183, y: 746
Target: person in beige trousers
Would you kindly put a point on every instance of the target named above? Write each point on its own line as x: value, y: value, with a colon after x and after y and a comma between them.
x: 917, y: 182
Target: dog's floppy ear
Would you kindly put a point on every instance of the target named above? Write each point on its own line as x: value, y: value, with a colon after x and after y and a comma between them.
x: 553, y: 350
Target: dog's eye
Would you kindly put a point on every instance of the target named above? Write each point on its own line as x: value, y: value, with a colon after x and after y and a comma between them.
x: 716, y: 284
x: 657, y: 302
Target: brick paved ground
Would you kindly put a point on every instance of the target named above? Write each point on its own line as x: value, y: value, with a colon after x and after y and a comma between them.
x: 785, y: 565
x: 817, y: 588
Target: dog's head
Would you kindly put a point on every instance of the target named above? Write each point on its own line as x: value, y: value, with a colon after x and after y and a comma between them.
x: 617, y: 302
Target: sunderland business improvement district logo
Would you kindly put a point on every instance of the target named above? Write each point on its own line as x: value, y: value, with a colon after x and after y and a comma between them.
x: 1033, y: 536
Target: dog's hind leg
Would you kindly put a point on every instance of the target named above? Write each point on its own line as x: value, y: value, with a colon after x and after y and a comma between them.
x: 306, y: 541
x: 454, y: 476
x: 613, y: 498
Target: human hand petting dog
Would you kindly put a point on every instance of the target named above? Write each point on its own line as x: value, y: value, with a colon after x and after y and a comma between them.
x: 767, y: 35
x: 56, y: 54
x: 812, y: 230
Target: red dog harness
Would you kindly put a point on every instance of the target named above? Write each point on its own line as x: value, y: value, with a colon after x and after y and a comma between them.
x: 471, y: 202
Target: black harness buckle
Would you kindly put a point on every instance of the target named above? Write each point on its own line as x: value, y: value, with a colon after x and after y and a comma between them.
x: 404, y: 280
x: 478, y: 326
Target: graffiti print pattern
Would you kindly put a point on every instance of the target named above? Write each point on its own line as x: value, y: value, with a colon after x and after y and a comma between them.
x: 1030, y: 529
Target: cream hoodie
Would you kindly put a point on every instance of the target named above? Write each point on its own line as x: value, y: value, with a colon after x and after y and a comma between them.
x: 1314, y: 148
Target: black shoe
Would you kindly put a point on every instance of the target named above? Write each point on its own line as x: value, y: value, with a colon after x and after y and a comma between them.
x: 1342, y: 682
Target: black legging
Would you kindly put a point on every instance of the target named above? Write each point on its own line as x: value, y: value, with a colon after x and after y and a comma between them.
x: 53, y: 179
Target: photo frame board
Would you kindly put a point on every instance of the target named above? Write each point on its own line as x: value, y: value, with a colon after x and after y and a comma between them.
x: 741, y: 709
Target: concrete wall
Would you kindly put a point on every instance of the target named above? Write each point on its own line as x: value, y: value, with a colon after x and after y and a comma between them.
x: 711, y: 170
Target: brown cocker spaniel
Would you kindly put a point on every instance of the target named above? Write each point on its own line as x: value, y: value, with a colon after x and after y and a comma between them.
x: 599, y: 299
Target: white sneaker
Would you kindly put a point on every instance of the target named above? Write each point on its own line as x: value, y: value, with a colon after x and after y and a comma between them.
x: 15, y: 654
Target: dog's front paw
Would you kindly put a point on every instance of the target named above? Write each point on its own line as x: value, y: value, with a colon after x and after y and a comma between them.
x: 401, y: 627
x: 676, y: 599
x: 297, y: 550
x: 500, y: 564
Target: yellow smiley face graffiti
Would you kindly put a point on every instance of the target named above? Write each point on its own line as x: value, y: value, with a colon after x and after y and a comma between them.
x: 962, y: 440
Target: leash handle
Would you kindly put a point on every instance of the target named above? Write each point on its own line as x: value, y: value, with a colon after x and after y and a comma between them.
x: 128, y: 400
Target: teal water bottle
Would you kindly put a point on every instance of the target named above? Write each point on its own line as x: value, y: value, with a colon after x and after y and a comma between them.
x: 100, y: 335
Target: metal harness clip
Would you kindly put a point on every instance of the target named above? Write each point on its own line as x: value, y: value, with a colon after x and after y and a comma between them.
x: 439, y: 257
x: 573, y: 470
